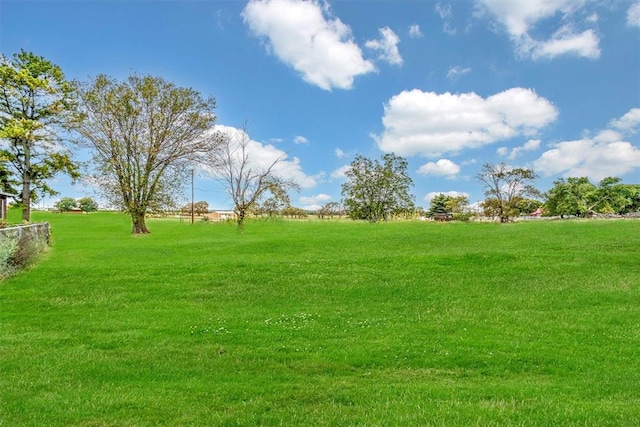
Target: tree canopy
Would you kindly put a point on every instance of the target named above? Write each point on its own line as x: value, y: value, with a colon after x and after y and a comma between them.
x: 146, y: 135
x: 577, y: 196
x: 504, y: 188
x: 36, y: 103
x: 377, y: 190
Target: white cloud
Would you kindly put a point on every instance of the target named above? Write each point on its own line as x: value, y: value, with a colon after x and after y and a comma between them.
x: 387, y: 45
x: 339, y: 153
x: 318, y: 199
x: 431, y: 124
x: 633, y: 15
x: 457, y: 71
x: 298, y: 139
x: 629, y: 123
x: 597, y: 157
x: 566, y: 41
x: 303, y: 35
x: 444, y: 10
x: 530, y: 145
x: 433, y: 194
x: 521, y: 17
x: 415, y: 32
x: 263, y: 155
x: 340, y: 172
x: 443, y: 167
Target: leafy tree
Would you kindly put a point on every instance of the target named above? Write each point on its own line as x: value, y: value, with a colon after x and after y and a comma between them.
x: 35, y: 103
x: 199, y: 208
x: 146, y: 134
x: 330, y: 210
x: 376, y: 191
x: 504, y: 186
x: 87, y: 204
x: 246, y: 181
x: 278, y: 201
x: 573, y: 196
x: 66, y: 204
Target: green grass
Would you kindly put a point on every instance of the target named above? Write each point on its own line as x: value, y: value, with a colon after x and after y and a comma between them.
x: 324, y: 323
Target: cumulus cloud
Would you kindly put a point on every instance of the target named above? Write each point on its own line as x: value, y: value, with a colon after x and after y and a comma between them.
x: 304, y: 35
x: 263, y: 155
x: 298, y: 139
x: 629, y: 123
x: 340, y: 172
x: 339, y: 153
x: 443, y: 167
x: 457, y: 71
x: 433, y: 194
x: 530, y: 145
x: 633, y: 15
x: 314, y: 202
x: 521, y: 17
x: 605, y: 154
x: 415, y: 32
x: 387, y: 45
x: 431, y: 124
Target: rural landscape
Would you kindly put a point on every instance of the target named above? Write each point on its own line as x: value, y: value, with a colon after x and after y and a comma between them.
x: 324, y: 323
x: 443, y: 232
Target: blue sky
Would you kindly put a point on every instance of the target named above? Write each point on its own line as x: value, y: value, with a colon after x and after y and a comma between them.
x: 553, y: 85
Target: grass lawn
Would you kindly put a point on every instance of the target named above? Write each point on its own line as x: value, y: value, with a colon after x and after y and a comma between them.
x: 324, y: 323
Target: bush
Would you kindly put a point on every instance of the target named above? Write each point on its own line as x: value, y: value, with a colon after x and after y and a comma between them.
x: 7, y: 248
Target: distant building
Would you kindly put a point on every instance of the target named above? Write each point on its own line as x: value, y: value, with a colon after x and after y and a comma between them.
x: 4, y: 203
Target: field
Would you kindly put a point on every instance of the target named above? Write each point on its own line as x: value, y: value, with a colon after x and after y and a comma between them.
x: 324, y: 323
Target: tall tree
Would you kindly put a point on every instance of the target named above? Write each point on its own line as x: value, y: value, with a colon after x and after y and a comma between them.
x: 36, y: 103
x: 375, y: 190
x: 245, y: 180
x: 505, y: 186
x: 146, y: 135
x: 573, y: 196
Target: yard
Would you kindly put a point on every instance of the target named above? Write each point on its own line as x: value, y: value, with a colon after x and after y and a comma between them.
x: 324, y: 323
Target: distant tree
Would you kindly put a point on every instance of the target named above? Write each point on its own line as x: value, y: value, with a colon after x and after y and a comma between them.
x: 377, y: 191
x: 504, y: 186
x: 330, y: 210
x: 612, y: 196
x: 438, y: 204
x: 293, y: 212
x: 87, y: 204
x: 201, y: 207
x: 526, y: 206
x: 146, y: 134
x: 573, y: 196
x: 246, y: 181
x: 36, y: 102
x: 66, y: 204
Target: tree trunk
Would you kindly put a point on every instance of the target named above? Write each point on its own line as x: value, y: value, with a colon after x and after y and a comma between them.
x: 26, y: 198
x: 241, y: 215
x: 139, y: 223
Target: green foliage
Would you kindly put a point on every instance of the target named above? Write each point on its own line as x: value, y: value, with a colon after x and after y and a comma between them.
x: 324, y: 323
x: 36, y: 102
x: 579, y: 197
x: 66, y: 204
x: 377, y: 191
x: 87, y: 204
x: 146, y: 133
x: 505, y: 187
x: 199, y: 208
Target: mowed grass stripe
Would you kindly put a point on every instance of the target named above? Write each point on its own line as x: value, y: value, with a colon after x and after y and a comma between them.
x: 325, y: 323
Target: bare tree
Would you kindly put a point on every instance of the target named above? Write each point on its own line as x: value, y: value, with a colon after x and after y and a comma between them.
x: 504, y: 187
x: 245, y: 180
x: 146, y: 134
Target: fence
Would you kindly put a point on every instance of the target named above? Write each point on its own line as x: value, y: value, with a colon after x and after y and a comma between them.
x: 35, y: 232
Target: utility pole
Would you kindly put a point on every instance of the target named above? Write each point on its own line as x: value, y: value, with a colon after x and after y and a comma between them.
x: 192, y: 199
